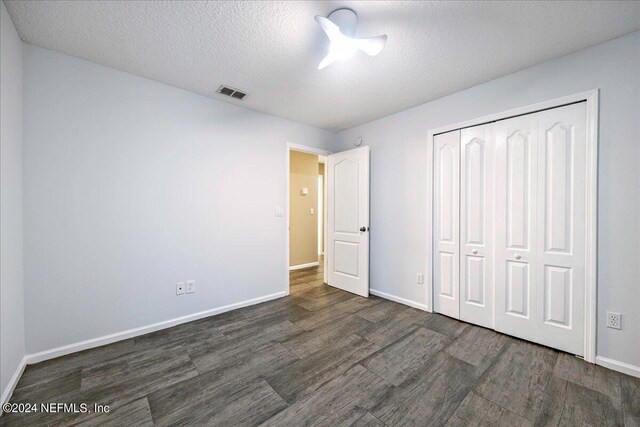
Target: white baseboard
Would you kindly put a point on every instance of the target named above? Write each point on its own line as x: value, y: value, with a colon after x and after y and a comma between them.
x: 404, y: 301
x: 119, y: 336
x: 301, y: 266
x: 625, y: 368
x: 8, y: 391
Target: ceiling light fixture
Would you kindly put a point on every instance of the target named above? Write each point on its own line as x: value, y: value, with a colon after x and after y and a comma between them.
x: 340, y: 27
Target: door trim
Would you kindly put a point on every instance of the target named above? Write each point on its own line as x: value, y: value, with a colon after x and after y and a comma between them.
x: 591, y: 205
x: 311, y: 150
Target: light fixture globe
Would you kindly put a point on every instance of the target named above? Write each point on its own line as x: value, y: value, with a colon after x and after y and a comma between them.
x: 340, y: 28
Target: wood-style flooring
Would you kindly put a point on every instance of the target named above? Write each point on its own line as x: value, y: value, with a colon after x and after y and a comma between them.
x: 326, y: 357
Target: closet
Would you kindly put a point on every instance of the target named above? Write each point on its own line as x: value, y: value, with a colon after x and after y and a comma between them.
x: 509, y: 226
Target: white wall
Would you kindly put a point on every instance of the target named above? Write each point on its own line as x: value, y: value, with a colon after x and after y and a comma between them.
x: 399, y: 171
x: 12, y: 347
x: 131, y: 186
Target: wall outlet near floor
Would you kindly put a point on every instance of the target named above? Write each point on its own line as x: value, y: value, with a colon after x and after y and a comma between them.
x: 180, y: 286
x: 191, y: 286
x: 420, y: 278
x: 614, y: 320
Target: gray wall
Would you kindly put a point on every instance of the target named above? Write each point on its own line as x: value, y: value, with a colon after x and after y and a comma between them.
x: 12, y: 348
x: 399, y: 171
x: 131, y: 186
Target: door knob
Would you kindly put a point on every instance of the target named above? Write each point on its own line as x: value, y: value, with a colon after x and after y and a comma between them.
x: 518, y: 257
x: 475, y: 251
x: 363, y: 229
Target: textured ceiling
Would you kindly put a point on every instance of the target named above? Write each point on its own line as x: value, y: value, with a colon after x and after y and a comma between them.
x: 271, y: 49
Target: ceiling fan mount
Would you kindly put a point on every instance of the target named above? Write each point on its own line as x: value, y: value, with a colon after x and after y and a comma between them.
x: 346, y: 19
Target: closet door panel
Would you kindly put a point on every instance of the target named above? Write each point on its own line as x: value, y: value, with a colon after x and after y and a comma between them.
x: 446, y: 174
x: 476, y: 231
x: 446, y: 274
x: 475, y: 285
x: 518, y: 150
x: 516, y: 189
x: 561, y: 226
x: 557, y: 151
x: 517, y: 289
x: 557, y: 293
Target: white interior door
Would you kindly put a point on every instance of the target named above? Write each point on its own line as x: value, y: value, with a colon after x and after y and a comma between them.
x: 446, y: 225
x: 348, y: 220
x: 540, y: 244
x: 476, y: 225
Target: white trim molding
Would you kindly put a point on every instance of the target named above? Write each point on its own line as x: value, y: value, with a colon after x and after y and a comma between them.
x: 591, y: 227
x: 307, y: 265
x: 400, y: 300
x: 625, y: 368
x: 591, y: 206
x: 119, y: 336
x: 8, y: 391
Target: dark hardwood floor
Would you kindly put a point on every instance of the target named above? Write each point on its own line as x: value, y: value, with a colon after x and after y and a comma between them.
x: 326, y: 357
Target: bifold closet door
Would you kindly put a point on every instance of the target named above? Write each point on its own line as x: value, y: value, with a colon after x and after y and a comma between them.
x: 446, y: 225
x: 515, y: 239
x: 476, y: 225
x: 562, y: 160
x: 463, y: 225
x: 540, y: 227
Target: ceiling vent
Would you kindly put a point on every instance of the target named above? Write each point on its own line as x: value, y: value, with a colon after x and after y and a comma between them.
x: 229, y: 91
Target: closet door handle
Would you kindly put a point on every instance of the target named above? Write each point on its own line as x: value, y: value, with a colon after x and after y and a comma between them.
x: 518, y: 257
x: 475, y: 251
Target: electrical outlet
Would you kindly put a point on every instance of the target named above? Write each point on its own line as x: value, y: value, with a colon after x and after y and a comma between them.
x: 614, y: 320
x: 420, y: 278
x: 180, y: 288
x: 191, y: 286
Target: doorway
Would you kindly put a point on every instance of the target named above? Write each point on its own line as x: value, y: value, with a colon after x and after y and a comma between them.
x: 328, y: 218
x: 306, y: 215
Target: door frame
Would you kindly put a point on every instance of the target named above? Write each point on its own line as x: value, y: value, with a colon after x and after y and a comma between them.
x: 591, y: 206
x: 310, y: 150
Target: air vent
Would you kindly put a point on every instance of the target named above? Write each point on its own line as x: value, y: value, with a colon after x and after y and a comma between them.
x: 229, y: 91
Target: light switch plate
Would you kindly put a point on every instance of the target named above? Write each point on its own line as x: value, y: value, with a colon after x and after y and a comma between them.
x: 420, y: 278
x: 191, y: 286
x: 180, y: 286
x: 279, y: 211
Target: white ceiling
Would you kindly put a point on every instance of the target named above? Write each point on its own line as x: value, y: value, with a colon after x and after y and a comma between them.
x: 271, y: 49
